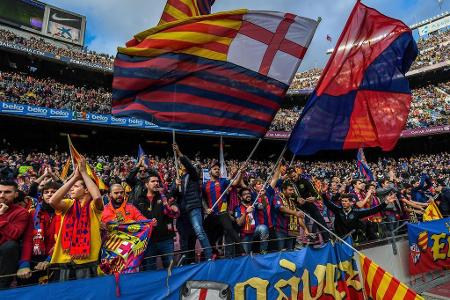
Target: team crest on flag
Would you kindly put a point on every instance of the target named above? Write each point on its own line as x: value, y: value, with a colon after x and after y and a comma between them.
x: 124, y: 246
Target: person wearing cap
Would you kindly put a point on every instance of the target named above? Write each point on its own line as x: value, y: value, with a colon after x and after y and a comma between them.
x: 218, y: 222
x: 347, y: 218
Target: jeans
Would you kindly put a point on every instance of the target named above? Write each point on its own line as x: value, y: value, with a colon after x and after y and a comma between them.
x: 195, y: 216
x: 218, y: 225
x: 392, y: 222
x: 163, y: 248
x: 284, y: 241
x: 73, y: 271
x: 262, y: 234
x: 187, y: 238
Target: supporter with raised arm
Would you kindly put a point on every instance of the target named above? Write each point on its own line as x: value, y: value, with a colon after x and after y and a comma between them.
x: 78, y: 243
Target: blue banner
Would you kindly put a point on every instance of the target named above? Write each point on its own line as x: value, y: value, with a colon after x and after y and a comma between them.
x: 85, y: 117
x: 429, y: 246
x: 305, y: 274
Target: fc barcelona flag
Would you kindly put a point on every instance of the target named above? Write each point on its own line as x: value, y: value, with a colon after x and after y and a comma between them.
x: 226, y: 72
x: 362, y: 98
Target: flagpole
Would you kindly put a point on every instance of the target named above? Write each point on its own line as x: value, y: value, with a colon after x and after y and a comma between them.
x: 271, y: 174
x: 237, y: 174
x: 292, y: 160
x: 176, y: 159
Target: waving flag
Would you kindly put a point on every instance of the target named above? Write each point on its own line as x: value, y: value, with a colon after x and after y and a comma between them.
x: 75, y: 157
x: 226, y: 72
x: 362, y: 98
x: 379, y: 284
x: 363, y: 167
x: 432, y: 212
x: 182, y: 9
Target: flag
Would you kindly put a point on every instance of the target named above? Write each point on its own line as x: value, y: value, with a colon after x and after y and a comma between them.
x: 223, y: 167
x: 182, y: 9
x: 329, y: 38
x: 432, y: 212
x: 379, y: 284
x: 142, y: 153
x: 65, y: 170
x: 362, y: 98
x: 75, y: 157
x: 226, y: 72
x: 124, y: 246
x: 363, y: 168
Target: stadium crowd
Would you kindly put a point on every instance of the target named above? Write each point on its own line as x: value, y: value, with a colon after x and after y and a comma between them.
x: 430, y: 104
x: 40, y: 44
x: 54, y: 227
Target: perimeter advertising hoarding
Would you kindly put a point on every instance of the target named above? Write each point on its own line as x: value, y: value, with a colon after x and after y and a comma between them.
x: 23, y: 13
x: 434, y: 26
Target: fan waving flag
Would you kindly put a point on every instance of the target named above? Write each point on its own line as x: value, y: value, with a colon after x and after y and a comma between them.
x: 226, y: 72
x: 363, y: 167
x: 182, y: 9
x: 362, y: 98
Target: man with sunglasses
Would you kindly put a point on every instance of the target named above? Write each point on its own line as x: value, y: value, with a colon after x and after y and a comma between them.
x: 136, y: 179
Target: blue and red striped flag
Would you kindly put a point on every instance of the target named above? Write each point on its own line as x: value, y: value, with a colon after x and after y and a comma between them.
x: 226, y: 72
x: 363, y: 97
x: 363, y: 167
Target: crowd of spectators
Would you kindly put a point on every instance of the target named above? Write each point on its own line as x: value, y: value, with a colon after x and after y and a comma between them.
x: 433, y: 49
x: 399, y: 191
x: 47, y: 92
x: 38, y: 43
x: 305, y: 80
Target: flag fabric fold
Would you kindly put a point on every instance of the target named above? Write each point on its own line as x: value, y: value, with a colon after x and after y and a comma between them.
x: 75, y: 158
x: 432, y: 212
x: 380, y: 285
x: 362, y: 98
x: 225, y: 72
x: 182, y: 9
x: 363, y: 167
x: 223, y: 167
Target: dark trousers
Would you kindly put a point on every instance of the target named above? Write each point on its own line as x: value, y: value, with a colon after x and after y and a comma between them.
x: 9, y: 260
x: 71, y: 271
x: 312, y: 210
x: 188, y: 239
x: 218, y: 225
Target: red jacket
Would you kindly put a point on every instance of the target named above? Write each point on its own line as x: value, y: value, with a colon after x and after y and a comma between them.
x: 13, y: 223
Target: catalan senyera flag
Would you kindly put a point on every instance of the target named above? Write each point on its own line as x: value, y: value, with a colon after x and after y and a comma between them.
x: 75, y: 157
x: 432, y: 212
x: 183, y: 9
x: 226, y: 72
x: 65, y: 170
x: 381, y: 285
x: 363, y: 97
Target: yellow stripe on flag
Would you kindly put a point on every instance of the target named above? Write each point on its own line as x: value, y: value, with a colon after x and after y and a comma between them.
x: 191, y: 37
x: 403, y: 292
x: 76, y: 157
x: 432, y: 212
x: 65, y: 170
x: 175, y: 13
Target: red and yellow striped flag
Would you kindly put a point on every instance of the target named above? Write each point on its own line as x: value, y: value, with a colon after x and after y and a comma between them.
x: 183, y: 9
x: 76, y: 157
x: 432, y: 212
x: 65, y: 170
x: 380, y: 285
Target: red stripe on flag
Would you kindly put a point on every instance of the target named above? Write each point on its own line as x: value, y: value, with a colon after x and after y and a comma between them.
x: 377, y: 277
x: 135, y: 84
x: 167, y: 64
x: 256, y: 32
x: 172, y: 45
x: 160, y: 96
x: 275, y: 43
x: 167, y: 18
x: 410, y: 295
x: 293, y: 49
x: 181, y: 7
x: 193, y: 118
x: 203, y: 294
x: 392, y: 288
x: 204, y: 28
x: 365, y: 267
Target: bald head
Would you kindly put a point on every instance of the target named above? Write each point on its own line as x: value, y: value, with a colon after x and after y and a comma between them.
x: 116, y: 193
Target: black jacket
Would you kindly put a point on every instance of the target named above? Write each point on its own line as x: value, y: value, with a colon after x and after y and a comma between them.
x: 164, y: 228
x: 190, y: 196
x: 137, y: 186
x: 344, y: 223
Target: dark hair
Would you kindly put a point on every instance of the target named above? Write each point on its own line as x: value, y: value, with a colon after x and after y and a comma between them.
x: 347, y: 196
x: 354, y: 181
x: 51, y: 185
x: 10, y: 183
x: 152, y: 173
x: 256, y: 181
x: 242, y: 190
x: 287, y: 184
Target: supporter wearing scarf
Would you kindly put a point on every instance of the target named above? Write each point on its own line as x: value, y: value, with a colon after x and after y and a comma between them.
x: 42, y: 221
x: 76, y: 230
